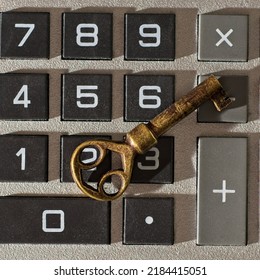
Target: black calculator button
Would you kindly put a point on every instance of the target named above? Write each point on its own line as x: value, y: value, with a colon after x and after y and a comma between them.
x: 24, y: 96
x: 87, y: 36
x: 156, y: 165
x: 25, y: 35
x: 87, y: 97
x: 147, y: 95
x: 149, y: 36
x: 24, y: 158
x: 148, y: 221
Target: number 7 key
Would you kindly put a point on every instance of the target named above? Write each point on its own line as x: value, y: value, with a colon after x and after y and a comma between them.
x: 143, y: 137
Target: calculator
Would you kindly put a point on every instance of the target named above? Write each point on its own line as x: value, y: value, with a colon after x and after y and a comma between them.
x: 73, y: 71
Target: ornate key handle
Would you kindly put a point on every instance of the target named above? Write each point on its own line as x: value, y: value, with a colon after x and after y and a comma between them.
x: 76, y: 165
x: 144, y: 136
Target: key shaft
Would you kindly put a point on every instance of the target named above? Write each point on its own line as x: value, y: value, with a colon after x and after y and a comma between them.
x: 209, y: 89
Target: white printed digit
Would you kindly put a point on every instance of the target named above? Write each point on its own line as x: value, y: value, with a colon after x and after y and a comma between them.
x: 154, y: 158
x: 91, y: 159
x: 156, y: 99
x: 21, y: 153
x: 82, y: 94
x: 47, y: 213
x: 30, y: 27
x: 81, y: 34
x: 156, y: 35
x: 22, y: 97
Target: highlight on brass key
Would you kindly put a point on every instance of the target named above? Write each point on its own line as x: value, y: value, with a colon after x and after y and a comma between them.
x: 141, y: 138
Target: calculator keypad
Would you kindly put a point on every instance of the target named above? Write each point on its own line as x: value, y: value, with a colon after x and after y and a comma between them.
x: 87, y: 97
x: 87, y: 36
x: 53, y: 220
x: 149, y: 36
x: 24, y: 96
x: 143, y: 41
x: 25, y: 35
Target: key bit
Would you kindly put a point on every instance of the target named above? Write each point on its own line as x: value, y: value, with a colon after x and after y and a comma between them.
x: 143, y: 137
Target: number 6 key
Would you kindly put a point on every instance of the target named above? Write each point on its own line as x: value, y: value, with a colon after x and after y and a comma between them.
x: 143, y: 137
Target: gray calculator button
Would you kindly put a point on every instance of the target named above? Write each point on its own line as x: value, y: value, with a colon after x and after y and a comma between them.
x: 223, y: 38
x: 222, y: 191
x: 237, y: 89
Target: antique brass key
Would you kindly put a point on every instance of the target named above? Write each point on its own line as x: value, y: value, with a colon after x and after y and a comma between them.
x: 144, y: 136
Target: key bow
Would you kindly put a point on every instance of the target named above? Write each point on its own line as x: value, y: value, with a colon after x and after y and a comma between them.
x: 77, y: 166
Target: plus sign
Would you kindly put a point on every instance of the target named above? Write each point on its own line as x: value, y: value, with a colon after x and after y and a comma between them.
x: 223, y: 191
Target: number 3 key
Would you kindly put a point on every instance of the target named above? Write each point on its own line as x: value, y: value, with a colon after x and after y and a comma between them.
x: 143, y: 137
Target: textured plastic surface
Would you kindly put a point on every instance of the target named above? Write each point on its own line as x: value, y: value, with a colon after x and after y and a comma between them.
x: 185, y: 67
